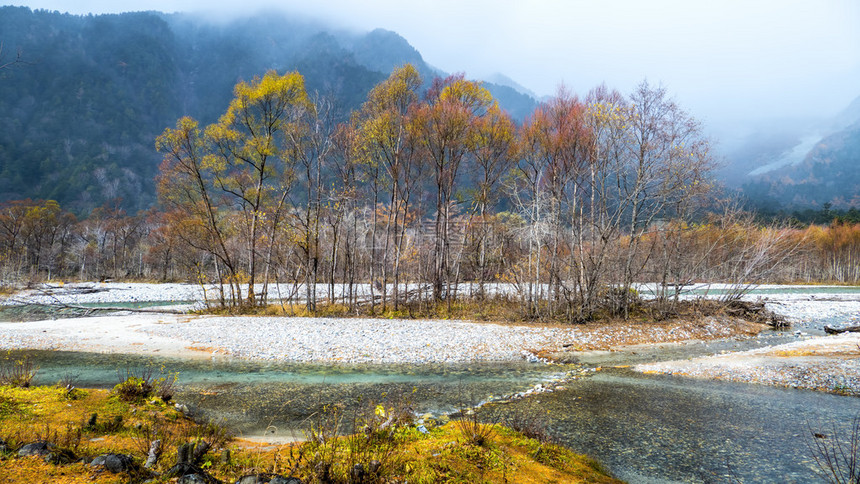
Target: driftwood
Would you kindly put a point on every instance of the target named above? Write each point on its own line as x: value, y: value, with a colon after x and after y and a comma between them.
x: 847, y: 329
x: 756, y: 312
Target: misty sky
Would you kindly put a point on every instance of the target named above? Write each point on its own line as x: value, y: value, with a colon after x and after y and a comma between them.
x: 721, y: 59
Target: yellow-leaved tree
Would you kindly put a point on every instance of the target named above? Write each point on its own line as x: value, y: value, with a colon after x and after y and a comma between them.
x: 231, y: 181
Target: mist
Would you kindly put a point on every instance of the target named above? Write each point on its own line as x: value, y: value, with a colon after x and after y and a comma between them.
x: 727, y: 62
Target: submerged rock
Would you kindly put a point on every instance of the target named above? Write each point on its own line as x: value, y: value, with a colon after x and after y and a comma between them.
x: 193, y: 479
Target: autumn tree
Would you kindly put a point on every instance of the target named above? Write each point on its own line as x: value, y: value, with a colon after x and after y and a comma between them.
x: 668, y: 159
x: 388, y: 144
x: 235, y: 177
x: 447, y: 122
x: 309, y: 146
x: 495, y: 148
x: 45, y: 232
x: 33, y: 237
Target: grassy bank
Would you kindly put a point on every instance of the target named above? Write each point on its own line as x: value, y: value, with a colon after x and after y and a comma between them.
x: 83, y: 424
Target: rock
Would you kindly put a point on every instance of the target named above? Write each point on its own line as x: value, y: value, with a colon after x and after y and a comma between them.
x: 4, y: 447
x: 268, y: 479
x: 116, y: 463
x: 184, y: 453
x: 40, y: 449
x: 192, y: 479
x: 285, y: 480
x: 154, y: 453
x: 358, y: 473
x: 182, y: 469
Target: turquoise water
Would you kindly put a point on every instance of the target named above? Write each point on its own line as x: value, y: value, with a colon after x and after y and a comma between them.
x: 644, y: 428
x: 35, y: 312
x: 252, y: 396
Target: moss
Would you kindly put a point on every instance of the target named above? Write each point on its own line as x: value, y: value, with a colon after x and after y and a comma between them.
x: 442, y: 455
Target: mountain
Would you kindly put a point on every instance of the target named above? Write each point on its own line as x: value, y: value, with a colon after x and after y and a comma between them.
x: 805, y: 165
x: 78, y: 120
x: 503, y: 80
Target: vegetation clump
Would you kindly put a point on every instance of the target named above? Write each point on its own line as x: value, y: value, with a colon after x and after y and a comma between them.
x: 17, y: 372
x: 140, y: 384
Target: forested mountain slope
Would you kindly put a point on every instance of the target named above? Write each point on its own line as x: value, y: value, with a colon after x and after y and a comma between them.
x: 828, y: 171
x: 79, y: 117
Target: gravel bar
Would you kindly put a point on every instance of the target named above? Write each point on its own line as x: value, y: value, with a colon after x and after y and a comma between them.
x: 825, y: 363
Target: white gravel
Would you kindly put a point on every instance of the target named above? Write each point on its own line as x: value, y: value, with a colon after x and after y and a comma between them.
x: 349, y: 340
x: 288, y: 339
x: 829, y: 363
x: 365, y: 340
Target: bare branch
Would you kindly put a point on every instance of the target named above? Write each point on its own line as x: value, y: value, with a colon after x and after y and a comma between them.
x: 6, y: 65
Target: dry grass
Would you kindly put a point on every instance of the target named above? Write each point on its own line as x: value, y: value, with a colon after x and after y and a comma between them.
x: 508, y: 310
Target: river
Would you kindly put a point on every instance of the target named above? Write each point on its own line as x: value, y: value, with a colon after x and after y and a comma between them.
x: 644, y: 428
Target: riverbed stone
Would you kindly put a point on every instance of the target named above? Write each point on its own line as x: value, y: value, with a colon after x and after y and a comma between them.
x: 40, y: 448
x: 116, y: 463
x: 193, y: 479
x: 60, y: 457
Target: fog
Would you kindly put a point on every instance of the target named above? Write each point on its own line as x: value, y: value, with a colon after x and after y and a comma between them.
x: 727, y: 61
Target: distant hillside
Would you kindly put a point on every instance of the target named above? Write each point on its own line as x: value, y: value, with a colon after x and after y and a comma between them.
x: 78, y: 121
x: 818, y: 169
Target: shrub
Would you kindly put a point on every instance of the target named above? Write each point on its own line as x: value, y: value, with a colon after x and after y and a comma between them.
x: 17, y: 372
x: 139, y: 384
x: 133, y: 389
x: 475, y: 432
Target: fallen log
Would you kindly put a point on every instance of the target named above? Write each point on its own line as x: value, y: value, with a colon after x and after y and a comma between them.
x: 846, y: 329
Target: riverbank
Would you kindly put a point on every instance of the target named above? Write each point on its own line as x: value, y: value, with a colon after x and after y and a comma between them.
x: 81, y: 436
x: 825, y: 363
x: 348, y: 340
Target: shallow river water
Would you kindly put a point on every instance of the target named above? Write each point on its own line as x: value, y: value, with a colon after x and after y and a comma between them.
x: 643, y: 428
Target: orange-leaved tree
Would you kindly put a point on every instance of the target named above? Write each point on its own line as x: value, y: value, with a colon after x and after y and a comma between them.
x: 447, y: 123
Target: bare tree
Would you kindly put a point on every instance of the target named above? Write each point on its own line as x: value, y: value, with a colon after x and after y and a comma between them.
x: 7, y: 64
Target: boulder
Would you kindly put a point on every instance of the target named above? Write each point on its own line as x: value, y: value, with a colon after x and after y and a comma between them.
x: 115, y: 463
x: 193, y: 479
x: 40, y: 448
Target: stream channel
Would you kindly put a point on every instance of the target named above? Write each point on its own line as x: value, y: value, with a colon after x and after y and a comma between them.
x: 643, y: 428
